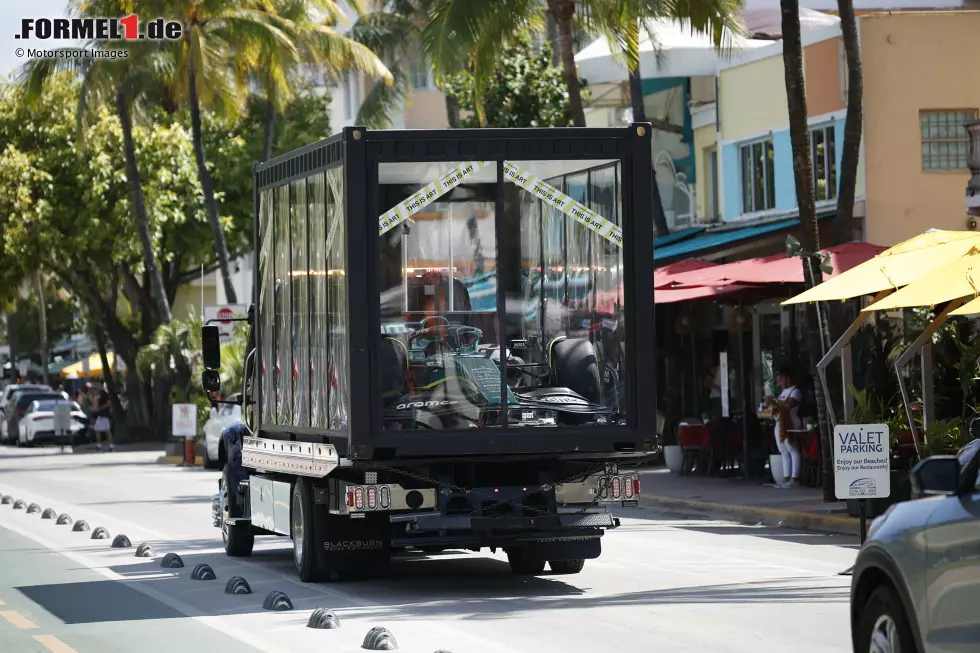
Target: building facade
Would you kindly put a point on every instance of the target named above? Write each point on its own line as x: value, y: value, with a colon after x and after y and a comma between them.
x: 913, y: 162
x: 918, y: 94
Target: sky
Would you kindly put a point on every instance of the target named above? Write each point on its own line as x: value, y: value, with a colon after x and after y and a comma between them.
x: 11, y: 13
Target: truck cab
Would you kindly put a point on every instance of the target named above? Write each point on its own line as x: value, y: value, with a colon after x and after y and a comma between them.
x: 451, y: 347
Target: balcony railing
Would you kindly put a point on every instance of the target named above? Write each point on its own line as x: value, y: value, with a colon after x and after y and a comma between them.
x: 678, y: 196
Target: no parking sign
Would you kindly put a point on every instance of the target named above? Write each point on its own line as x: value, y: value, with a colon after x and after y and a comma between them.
x: 185, y: 421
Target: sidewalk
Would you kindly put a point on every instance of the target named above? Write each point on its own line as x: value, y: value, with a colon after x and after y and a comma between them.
x: 744, y: 501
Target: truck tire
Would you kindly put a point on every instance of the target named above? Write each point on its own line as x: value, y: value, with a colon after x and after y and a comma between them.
x: 521, y: 564
x: 239, y: 539
x: 566, y: 566
x: 303, y: 532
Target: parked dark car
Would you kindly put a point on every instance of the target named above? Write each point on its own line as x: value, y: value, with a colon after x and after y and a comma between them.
x: 18, y: 406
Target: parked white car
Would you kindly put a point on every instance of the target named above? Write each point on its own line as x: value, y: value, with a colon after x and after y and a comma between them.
x: 37, y: 424
x: 222, y: 416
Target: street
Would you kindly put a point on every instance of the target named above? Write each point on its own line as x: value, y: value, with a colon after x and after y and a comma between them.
x: 663, y: 583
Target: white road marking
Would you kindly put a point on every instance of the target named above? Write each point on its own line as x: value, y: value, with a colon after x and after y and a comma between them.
x: 179, y: 606
x: 194, y: 613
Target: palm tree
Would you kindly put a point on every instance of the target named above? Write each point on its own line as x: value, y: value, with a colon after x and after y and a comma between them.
x: 393, y: 32
x: 118, y: 83
x: 851, y: 148
x: 810, y: 238
x: 463, y: 32
x: 311, y: 26
x: 224, y: 41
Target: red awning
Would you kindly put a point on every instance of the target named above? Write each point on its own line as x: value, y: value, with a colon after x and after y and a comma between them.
x: 777, y: 268
x: 671, y: 295
x: 664, y: 277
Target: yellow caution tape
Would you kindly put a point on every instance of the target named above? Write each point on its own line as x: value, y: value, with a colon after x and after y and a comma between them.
x: 422, y: 198
x: 554, y: 197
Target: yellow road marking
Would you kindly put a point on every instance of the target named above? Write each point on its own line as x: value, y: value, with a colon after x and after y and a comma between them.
x: 17, y: 620
x: 54, y: 644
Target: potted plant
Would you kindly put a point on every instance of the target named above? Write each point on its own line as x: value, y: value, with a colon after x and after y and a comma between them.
x: 673, y: 455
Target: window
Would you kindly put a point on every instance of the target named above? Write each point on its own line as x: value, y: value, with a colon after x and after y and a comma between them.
x: 945, y: 142
x: 758, y: 176
x: 420, y: 72
x: 558, y: 259
x: 712, y: 195
x: 823, y: 150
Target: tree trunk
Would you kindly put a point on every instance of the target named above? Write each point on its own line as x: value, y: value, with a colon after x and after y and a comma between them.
x: 640, y: 115
x: 452, y: 112
x: 118, y: 417
x: 268, y: 130
x: 851, y: 149
x: 42, y: 312
x: 553, y: 37
x: 207, y: 185
x: 564, y: 11
x: 810, y: 239
x: 139, y: 208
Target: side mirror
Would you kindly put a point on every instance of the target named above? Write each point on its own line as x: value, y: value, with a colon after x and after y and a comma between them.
x: 211, y: 381
x: 211, y: 347
x: 936, y: 475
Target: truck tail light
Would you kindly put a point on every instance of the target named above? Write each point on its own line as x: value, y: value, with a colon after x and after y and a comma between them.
x: 372, y: 497
x: 359, y: 498
x: 616, y: 484
x: 628, y: 488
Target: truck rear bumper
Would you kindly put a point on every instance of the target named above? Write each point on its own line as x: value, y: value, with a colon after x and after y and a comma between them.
x: 424, y: 529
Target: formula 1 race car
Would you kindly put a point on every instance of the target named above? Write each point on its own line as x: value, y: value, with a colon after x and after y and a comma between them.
x: 441, y: 377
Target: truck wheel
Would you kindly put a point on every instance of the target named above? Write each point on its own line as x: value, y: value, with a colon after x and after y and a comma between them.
x: 566, y: 566
x: 301, y: 519
x: 521, y: 564
x: 239, y: 539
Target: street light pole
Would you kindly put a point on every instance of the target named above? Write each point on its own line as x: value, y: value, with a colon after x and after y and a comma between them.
x: 973, y: 162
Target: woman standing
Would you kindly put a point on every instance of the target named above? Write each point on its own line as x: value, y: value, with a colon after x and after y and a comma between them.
x: 786, y: 408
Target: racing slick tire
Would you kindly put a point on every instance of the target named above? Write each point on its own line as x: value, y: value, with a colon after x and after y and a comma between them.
x: 566, y: 566
x: 238, y: 538
x: 523, y: 565
x: 575, y: 366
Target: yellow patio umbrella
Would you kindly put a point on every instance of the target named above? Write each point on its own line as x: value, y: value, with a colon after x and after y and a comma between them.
x: 970, y: 308
x: 960, y: 277
x: 895, y: 267
x: 77, y: 370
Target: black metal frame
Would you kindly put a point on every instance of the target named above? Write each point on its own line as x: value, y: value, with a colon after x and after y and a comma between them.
x: 360, y: 151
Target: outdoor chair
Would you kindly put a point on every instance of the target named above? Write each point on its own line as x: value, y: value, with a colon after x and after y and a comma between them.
x: 719, y: 454
x: 691, y: 436
x: 810, y: 452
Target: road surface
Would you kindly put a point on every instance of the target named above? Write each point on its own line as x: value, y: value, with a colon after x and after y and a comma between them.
x: 662, y: 584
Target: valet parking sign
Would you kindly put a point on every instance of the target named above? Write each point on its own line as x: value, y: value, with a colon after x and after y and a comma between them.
x: 862, y: 461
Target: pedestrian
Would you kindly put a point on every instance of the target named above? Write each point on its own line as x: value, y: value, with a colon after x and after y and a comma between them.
x: 101, y: 411
x: 787, y: 412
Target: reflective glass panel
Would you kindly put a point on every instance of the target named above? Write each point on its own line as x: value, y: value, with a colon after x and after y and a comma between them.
x: 301, y: 316
x: 267, y: 290
x: 284, y: 331
x: 338, y: 348
x: 319, y: 328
